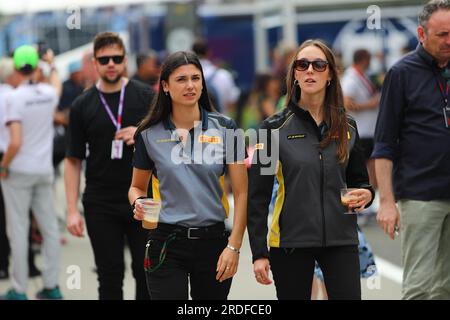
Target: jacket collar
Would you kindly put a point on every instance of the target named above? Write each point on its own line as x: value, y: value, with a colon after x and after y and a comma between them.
x: 293, y: 104
x: 169, y: 125
x: 297, y: 109
x: 427, y: 57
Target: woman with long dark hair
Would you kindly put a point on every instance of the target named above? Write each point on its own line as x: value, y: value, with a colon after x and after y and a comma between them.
x: 187, y: 148
x: 318, y: 155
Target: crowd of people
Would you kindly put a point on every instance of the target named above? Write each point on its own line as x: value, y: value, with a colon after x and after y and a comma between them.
x: 322, y: 130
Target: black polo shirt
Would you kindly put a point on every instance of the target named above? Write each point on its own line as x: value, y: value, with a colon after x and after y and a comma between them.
x: 411, y: 130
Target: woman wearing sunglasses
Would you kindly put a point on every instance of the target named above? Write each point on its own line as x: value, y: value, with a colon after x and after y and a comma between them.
x: 318, y: 154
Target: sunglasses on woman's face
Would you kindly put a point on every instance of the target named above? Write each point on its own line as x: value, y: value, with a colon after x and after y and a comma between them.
x: 303, y: 64
x: 105, y: 59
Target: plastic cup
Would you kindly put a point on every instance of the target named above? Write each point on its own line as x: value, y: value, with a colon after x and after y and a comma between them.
x: 151, y: 207
x: 347, y: 199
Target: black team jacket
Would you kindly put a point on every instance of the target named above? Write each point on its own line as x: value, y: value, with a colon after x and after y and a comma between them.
x: 308, y: 210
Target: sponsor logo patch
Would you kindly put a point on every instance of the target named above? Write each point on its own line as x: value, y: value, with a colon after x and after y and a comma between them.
x: 208, y: 139
x: 296, y: 136
x: 166, y: 140
x: 259, y: 146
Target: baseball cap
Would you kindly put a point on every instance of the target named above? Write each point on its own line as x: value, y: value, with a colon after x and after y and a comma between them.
x: 25, y: 57
x: 74, y: 66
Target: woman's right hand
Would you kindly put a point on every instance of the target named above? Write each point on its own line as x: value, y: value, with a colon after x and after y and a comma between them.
x: 261, y: 269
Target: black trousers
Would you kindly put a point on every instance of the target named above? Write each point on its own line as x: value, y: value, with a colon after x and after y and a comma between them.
x: 293, y: 271
x: 107, y: 232
x: 186, y: 261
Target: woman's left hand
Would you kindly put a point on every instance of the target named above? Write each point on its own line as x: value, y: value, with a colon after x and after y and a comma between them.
x: 361, y: 198
x: 227, y: 264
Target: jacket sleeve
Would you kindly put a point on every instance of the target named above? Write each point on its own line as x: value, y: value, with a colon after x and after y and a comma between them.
x: 259, y: 195
x: 356, y: 174
x: 392, y: 106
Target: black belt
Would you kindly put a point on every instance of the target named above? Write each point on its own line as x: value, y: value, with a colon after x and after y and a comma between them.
x: 215, y: 231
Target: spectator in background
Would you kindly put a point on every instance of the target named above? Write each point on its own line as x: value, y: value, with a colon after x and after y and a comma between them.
x: 262, y: 101
x: 8, y: 81
x: 220, y: 82
x: 148, y: 69
x: 282, y: 56
x: 90, y: 75
x: 46, y: 71
x: 73, y: 86
x: 71, y: 89
x: 26, y: 174
x: 361, y: 99
x: 413, y: 137
x: 6, y: 85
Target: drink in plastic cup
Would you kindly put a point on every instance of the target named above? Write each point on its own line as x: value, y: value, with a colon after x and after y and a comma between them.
x: 152, y: 207
x: 347, y: 199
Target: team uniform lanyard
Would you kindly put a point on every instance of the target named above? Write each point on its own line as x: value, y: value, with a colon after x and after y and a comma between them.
x: 117, y: 145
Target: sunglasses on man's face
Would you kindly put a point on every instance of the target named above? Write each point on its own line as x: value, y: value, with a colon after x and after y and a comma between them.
x: 105, y: 59
x: 303, y: 64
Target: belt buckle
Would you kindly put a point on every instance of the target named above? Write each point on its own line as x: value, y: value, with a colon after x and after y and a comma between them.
x: 189, y: 234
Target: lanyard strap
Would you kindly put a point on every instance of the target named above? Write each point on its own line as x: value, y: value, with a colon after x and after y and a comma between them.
x: 117, y: 123
x: 366, y: 82
x: 441, y: 89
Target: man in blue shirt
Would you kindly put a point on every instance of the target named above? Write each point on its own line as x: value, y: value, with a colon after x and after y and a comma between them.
x: 412, y: 140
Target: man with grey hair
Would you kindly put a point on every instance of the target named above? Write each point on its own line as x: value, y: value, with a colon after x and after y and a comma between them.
x: 413, y: 138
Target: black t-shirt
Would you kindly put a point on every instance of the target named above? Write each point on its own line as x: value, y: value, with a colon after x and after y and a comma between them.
x: 91, y: 133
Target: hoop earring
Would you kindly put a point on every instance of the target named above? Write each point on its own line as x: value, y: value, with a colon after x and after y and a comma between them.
x: 295, y: 82
x: 329, y: 82
x: 166, y: 93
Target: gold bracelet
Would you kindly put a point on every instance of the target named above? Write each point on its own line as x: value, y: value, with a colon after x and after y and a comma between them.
x: 233, y: 249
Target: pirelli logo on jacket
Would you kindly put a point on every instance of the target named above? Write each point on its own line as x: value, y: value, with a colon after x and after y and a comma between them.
x: 259, y: 146
x: 208, y: 139
x: 296, y: 136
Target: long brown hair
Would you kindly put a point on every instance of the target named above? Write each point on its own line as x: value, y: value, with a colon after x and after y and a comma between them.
x: 334, y: 112
x: 162, y: 104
